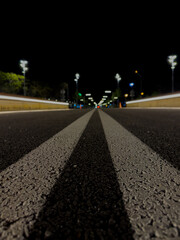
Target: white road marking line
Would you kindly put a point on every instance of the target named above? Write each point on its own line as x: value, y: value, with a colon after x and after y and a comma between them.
x: 26, y: 183
x: 150, y: 185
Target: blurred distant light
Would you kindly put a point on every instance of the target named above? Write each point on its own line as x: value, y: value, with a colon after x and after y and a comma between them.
x: 100, y: 102
x: 142, y: 93
x: 105, y: 96
x: 77, y: 75
x: 171, y: 61
x: 131, y: 84
x: 23, y: 64
x: 118, y: 77
x: 115, y: 97
x: 171, y: 58
x: 126, y: 95
x: 88, y: 94
x: 136, y: 71
x: 107, y: 91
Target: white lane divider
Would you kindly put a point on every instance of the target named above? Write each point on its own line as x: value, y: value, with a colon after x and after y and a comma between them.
x: 150, y: 185
x: 26, y: 183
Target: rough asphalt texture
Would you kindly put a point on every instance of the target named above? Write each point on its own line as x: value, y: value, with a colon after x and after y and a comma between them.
x: 99, y: 182
x: 150, y: 185
x: 158, y: 128
x: 86, y: 202
x: 26, y: 184
x: 22, y: 132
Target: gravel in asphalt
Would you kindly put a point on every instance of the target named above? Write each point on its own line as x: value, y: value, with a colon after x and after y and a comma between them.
x: 26, y: 184
x: 150, y: 184
x: 22, y: 132
x: 158, y: 128
x: 95, y: 179
x: 86, y: 201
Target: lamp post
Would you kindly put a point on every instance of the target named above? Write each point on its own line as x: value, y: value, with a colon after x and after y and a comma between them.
x: 132, y: 93
x: 76, y: 80
x: 23, y: 65
x: 171, y: 61
x: 136, y: 72
x: 118, y: 78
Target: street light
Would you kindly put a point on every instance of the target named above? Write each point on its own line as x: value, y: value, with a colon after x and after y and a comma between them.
x: 76, y: 80
x: 118, y: 78
x: 131, y: 84
x: 136, y: 72
x: 171, y: 61
x: 77, y: 75
x: 132, y: 93
x: 23, y: 65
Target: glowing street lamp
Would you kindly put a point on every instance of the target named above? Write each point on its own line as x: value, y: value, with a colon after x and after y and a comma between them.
x: 23, y: 65
x: 77, y: 76
x: 118, y: 78
x: 171, y: 61
x: 76, y: 80
x: 137, y: 72
x: 131, y: 84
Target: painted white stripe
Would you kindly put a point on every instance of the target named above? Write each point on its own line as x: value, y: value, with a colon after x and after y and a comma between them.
x: 26, y: 184
x: 155, y: 98
x: 150, y: 185
x: 30, y: 100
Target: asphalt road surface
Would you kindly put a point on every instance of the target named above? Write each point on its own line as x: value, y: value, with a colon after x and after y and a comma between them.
x: 22, y: 132
x: 81, y: 174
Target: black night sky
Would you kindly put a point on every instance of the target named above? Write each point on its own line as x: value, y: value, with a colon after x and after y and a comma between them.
x: 95, y: 41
